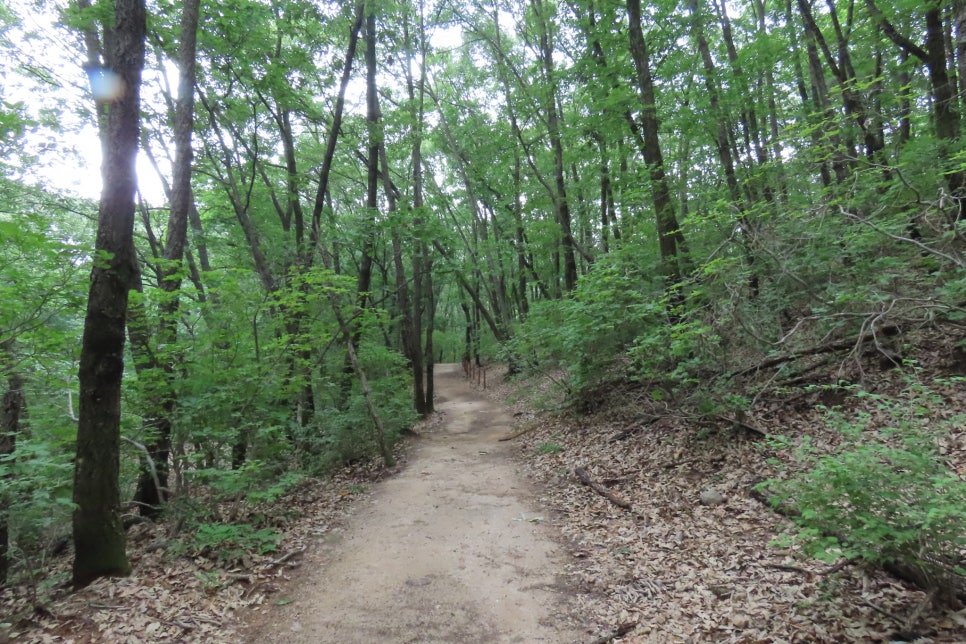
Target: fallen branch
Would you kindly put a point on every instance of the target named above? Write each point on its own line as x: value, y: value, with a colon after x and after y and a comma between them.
x: 621, y: 631
x: 633, y: 428
x: 526, y: 429
x: 584, y: 477
x: 247, y: 577
x: 848, y: 343
x: 286, y: 557
x: 742, y: 424
x: 821, y: 573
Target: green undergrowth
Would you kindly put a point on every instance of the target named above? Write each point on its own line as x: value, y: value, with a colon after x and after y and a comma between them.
x: 886, y: 493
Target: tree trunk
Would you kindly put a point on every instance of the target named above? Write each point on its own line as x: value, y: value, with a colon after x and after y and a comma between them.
x: 154, y: 473
x: 12, y: 407
x: 933, y: 55
x: 423, y: 302
x: 99, y: 541
x: 669, y: 232
x: 560, y: 201
x: 336, y: 127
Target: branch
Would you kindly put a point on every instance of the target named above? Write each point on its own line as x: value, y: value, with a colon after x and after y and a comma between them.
x: 901, y: 41
x: 918, y: 244
x: 151, y: 467
x: 584, y: 477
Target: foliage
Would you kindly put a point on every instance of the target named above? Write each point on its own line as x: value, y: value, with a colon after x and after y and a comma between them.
x: 589, y: 332
x: 231, y: 542
x: 886, y: 494
x: 36, y: 500
x: 549, y: 448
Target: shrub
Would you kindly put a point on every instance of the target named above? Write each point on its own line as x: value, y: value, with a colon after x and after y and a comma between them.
x: 886, y: 496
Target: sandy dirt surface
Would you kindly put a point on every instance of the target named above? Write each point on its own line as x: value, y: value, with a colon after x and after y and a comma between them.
x: 452, y: 549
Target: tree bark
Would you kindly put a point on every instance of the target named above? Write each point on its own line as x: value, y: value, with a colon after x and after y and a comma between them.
x: 560, y: 201
x: 933, y: 56
x: 154, y: 467
x: 422, y: 299
x: 12, y: 407
x: 333, y: 135
x: 669, y: 233
x: 99, y: 541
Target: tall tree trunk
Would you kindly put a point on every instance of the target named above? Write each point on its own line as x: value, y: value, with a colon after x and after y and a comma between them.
x: 99, y: 541
x: 154, y: 474
x: 820, y: 99
x: 552, y: 109
x: 945, y: 102
x: 423, y: 302
x: 364, y: 283
x: 364, y: 277
x: 333, y: 135
x: 12, y: 407
x: 959, y: 28
x: 669, y: 233
x: 933, y: 55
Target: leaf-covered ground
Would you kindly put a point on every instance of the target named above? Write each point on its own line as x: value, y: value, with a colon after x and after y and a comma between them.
x: 674, y: 569
x: 201, y: 598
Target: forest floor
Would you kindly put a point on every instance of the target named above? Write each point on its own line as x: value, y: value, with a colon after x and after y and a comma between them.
x: 475, y: 539
x: 675, y: 545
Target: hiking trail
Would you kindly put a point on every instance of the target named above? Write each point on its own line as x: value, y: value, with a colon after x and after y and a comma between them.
x: 451, y: 549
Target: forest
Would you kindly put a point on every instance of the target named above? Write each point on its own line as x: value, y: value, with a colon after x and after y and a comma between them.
x: 744, y: 216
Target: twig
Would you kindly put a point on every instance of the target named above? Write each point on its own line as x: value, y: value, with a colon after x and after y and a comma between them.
x: 286, y: 557
x: 151, y: 468
x: 743, y: 425
x: 520, y: 432
x: 100, y: 606
x: 913, y: 620
x: 584, y: 477
x: 821, y: 573
x: 240, y: 576
x: 929, y: 249
x: 620, y: 631
x: 633, y: 428
x: 866, y: 602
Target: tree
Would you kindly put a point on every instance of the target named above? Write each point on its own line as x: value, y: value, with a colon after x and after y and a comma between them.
x: 669, y: 232
x: 99, y: 541
x: 12, y: 407
x: 153, y: 479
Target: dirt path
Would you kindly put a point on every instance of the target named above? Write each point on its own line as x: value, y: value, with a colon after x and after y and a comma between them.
x: 452, y: 549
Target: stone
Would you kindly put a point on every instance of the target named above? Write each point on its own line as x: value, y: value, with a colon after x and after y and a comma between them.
x: 711, y: 497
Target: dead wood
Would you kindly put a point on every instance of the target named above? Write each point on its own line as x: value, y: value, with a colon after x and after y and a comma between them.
x: 620, y: 631
x: 526, y: 429
x: 247, y: 577
x: 690, y: 461
x: 744, y: 425
x: 821, y: 573
x: 633, y: 428
x: 285, y: 557
x: 832, y: 347
x: 584, y: 477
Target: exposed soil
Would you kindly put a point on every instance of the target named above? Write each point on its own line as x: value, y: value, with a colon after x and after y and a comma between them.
x: 452, y: 549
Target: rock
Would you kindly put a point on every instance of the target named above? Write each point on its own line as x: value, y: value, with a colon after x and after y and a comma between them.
x: 711, y: 497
